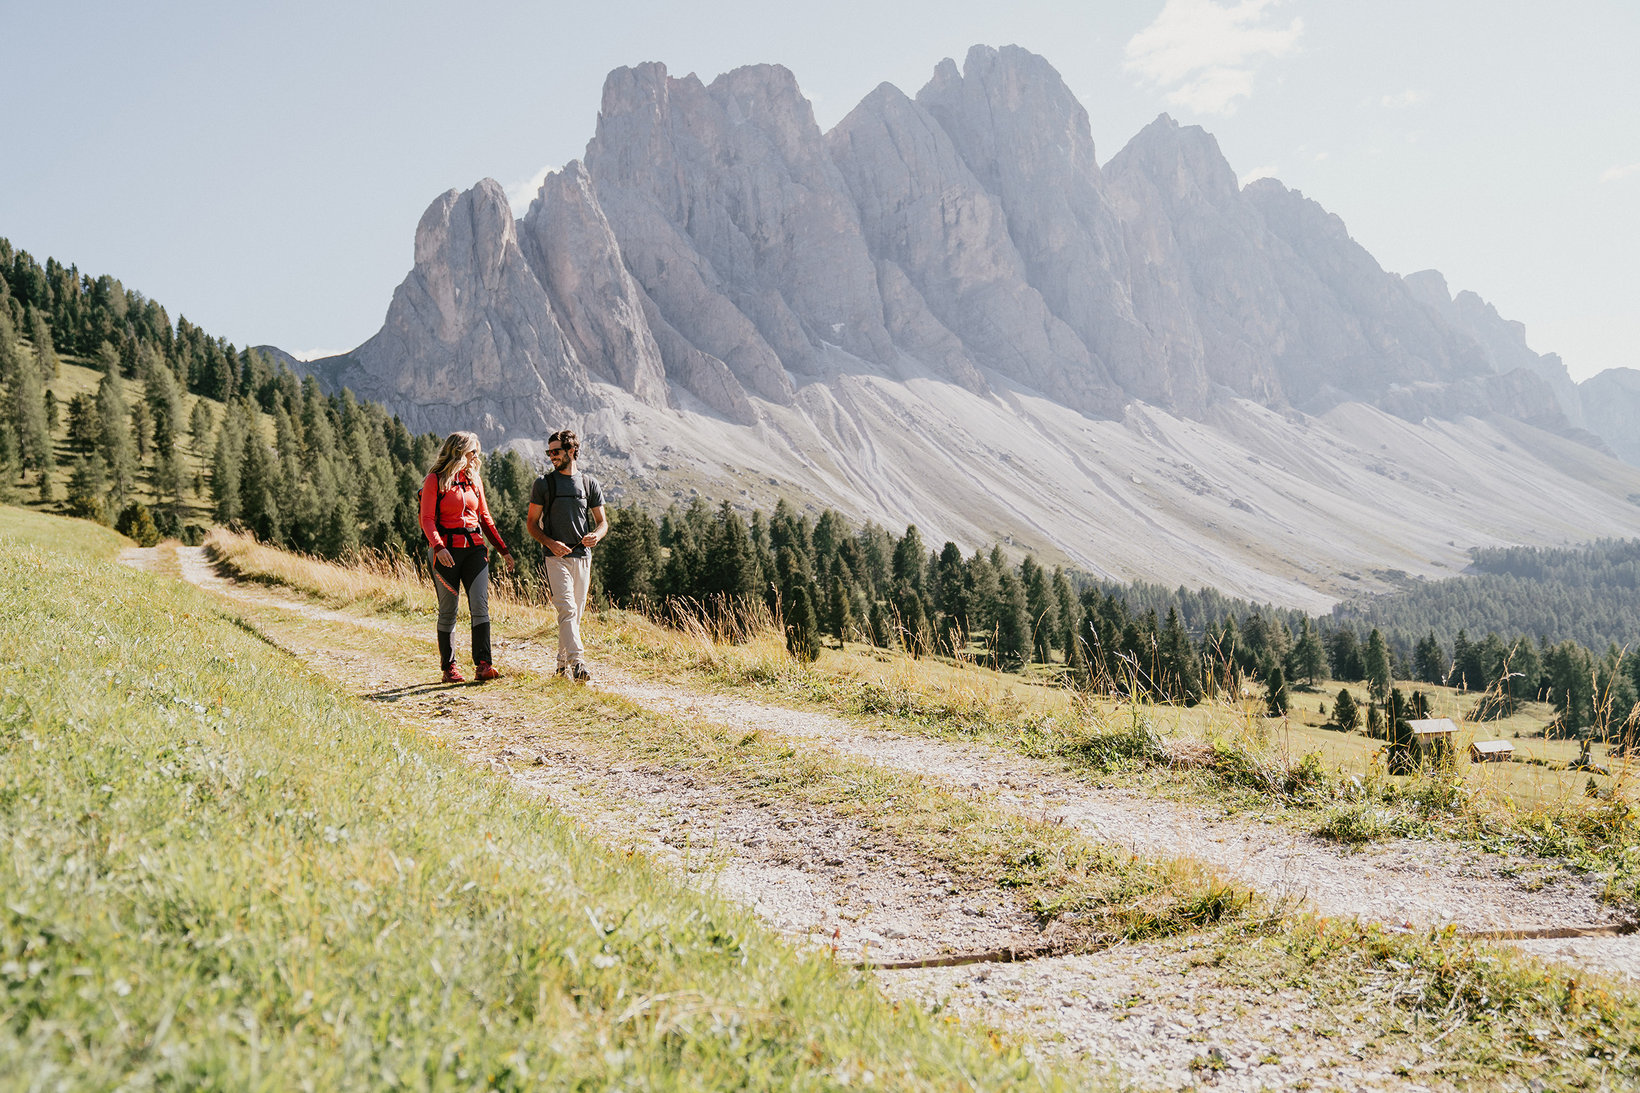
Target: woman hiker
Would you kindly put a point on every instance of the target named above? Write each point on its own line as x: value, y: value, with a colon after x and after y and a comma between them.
x: 453, y: 510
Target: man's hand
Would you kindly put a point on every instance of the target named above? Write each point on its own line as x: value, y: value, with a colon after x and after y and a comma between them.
x: 557, y: 548
x: 590, y: 539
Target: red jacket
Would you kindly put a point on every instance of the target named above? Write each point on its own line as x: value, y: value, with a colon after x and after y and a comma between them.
x: 460, y: 511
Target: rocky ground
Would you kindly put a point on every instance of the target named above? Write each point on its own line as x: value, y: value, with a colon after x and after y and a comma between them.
x: 1165, y: 1015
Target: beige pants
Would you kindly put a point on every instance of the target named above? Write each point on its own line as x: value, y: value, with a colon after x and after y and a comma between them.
x: 568, y: 579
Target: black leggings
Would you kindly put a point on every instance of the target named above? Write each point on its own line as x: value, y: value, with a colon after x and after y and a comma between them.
x: 472, y: 572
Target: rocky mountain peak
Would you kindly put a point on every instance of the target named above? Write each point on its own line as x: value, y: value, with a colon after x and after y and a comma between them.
x: 947, y: 292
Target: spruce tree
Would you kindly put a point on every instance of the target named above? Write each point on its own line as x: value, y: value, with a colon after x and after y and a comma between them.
x: 1376, y: 663
x: 880, y: 629
x: 1275, y: 692
x: 114, y: 440
x: 1013, y: 633
x: 1309, y: 657
x: 802, y: 632
x: 46, y: 361
x: 1345, y: 714
x: 839, y: 608
x: 28, y: 419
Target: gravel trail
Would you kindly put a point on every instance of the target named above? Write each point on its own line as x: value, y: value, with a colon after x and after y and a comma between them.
x: 1163, y: 1014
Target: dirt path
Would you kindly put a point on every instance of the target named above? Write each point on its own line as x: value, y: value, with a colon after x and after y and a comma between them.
x: 1165, y: 1017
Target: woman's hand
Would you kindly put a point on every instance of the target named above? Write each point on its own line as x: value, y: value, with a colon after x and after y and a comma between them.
x: 512, y: 563
x: 444, y: 558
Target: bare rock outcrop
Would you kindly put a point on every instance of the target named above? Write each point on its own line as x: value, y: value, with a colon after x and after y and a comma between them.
x: 1027, y: 140
x: 927, y: 214
x: 471, y: 339
x: 574, y: 254
x: 716, y: 254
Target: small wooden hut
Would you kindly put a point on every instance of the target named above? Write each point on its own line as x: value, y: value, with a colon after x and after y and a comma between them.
x: 1433, y: 739
x: 1491, y: 751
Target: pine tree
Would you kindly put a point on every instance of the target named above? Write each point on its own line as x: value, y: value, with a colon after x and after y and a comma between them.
x: 200, y: 424
x: 1376, y: 663
x: 114, y: 440
x: 46, y: 362
x: 1309, y: 657
x: 1275, y: 692
x: 1428, y: 665
x: 839, y: 613
x: 802, y: 633
x: 1013, y: 633
x: 11, y: 355
x: 1345, y: 714
x: 142, y: 430
x: 84, y: 426
x: 28, y: 419
x: 225, y: 471
x: 880, y: 630
x: 1043, y: 608
x: 87, y: 485
x: 137, y: 523
x: 913, y: 623
x: 628, y: 561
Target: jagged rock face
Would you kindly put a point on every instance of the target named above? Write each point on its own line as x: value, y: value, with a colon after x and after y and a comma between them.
x: 471, y: 339
x: 1027, y: 140
x: 1501, y: 341
x: 716, y: 254
x: 934, y: 221
x: 737, y: 175
x: 1611, y: 410
x: 1199, y: 263
x: 574, y: 254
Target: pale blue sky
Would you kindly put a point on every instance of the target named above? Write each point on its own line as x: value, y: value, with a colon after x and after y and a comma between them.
x: 261, y: 169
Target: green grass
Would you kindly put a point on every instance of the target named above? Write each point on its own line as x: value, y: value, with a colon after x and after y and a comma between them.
x: 1475, y: 1013
x: 1467, y: 1011
x: 218, y: 872
x: 40, y: 535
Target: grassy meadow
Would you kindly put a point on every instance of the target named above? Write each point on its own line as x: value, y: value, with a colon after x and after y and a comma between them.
x: 1227, y: 754
x: 220, y: 872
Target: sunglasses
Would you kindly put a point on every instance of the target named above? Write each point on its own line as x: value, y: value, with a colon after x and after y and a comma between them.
x: 555, y: 451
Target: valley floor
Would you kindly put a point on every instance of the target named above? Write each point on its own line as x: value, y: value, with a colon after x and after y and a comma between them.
x: 1224, y: 1008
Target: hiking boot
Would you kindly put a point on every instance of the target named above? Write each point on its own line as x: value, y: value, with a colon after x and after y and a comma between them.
x: 582, y: 675
x: 486, y: 671
x: 452, y: 674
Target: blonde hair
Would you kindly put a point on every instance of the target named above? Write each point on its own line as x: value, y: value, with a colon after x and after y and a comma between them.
x: 450, y: 457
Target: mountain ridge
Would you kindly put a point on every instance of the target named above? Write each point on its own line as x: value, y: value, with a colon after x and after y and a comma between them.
x: 717, y: 274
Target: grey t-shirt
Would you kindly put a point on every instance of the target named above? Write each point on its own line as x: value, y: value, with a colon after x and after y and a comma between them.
x: 567, y: 519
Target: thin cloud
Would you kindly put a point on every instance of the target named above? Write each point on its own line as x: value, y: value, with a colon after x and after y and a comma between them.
x: 1612, y: 174
x: 1405, y: 100
x: 520, y: 194
x: 1206, y: 54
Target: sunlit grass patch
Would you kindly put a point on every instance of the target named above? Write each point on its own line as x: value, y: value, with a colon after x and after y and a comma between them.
x: 219, y: 872
x: 41, y: 535
x: 1469, y: 1011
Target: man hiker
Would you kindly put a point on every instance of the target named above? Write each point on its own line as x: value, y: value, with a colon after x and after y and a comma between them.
x: 567, y: 517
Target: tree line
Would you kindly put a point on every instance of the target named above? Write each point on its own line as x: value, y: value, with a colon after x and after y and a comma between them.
x: 328, y: 475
